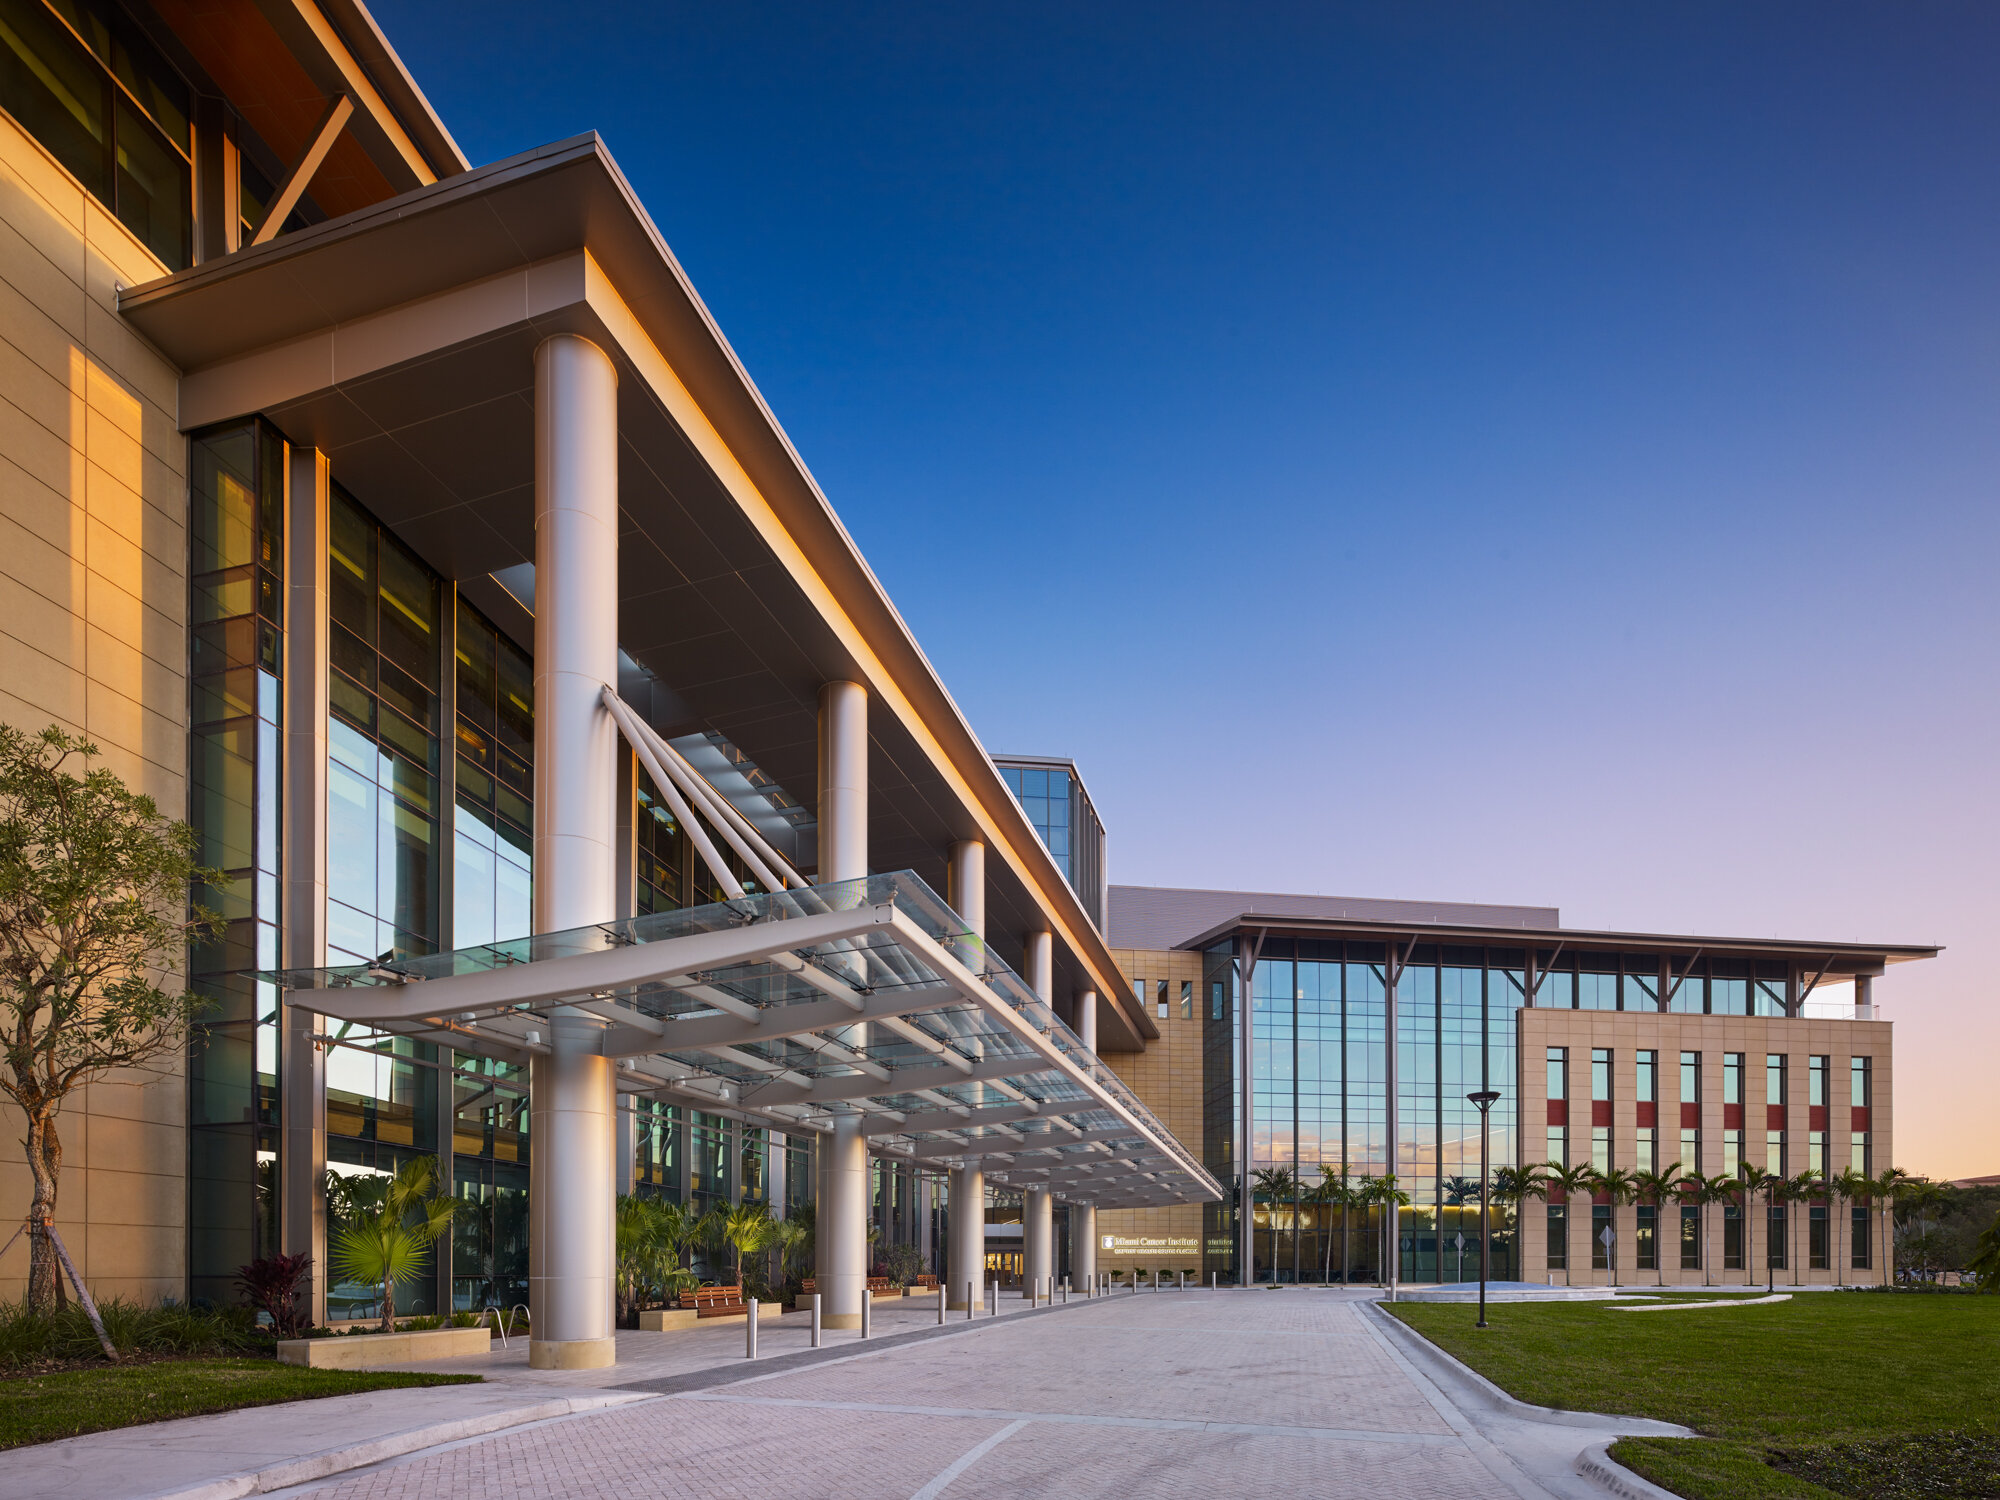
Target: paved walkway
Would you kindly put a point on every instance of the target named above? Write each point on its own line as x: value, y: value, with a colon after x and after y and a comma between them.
x: 1163, y: 1395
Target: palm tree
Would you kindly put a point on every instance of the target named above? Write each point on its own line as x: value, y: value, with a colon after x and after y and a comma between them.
x: 1330, y: 1192
x: 382, y: 1245
x: 1707, y: 1193
x: 1656, y: 1188
x: 1567, y: 1182
x: 1920, y: 1195
x: 1391, y: 1198
x: 1752, y: 1179
x: 1799, y: 1192
x: 1278, y: 1185
x: 1884, y: 1190
x: 1619, y: 1187
x: 1458, y: 1191
x: 1848, y: 1188
x: 1512, y: 1187
x: 748, y: 1229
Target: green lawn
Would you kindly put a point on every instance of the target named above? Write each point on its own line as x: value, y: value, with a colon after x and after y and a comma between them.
x: 41, y: 1408
x: 1828, y: 1384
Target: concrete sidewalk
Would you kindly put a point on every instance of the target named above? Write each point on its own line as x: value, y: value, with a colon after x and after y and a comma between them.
x: 261, y: 1449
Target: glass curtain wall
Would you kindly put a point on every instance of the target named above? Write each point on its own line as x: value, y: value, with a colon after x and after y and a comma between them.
x: 236, y: 593
x: 1319, y: 1117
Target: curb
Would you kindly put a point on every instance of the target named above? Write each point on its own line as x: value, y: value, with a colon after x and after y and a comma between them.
x: 1433, y: 1358
x: 330, y: 1461
x: 1597, y: 1465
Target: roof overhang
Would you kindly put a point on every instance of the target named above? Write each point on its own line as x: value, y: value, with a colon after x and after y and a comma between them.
x: 866, y: 999
x: 1837, y: 959
x: 400, y: 339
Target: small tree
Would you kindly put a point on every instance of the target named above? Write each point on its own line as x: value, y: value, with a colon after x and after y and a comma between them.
x: 392, y: 1243
x: 95, y: 923
x: 1657, y: 1188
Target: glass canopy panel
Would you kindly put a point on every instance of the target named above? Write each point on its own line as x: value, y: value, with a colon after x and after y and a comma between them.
x: 883, y: 1002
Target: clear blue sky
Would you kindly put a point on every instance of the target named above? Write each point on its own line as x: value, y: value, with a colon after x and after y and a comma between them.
x: 1526, y: 452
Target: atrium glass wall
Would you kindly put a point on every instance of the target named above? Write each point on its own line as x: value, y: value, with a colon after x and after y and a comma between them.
x: 493, y: 826
x: 236, y: 592
x: 385, y: 804
x: 1319, y: 1116
x: 1063, y: 814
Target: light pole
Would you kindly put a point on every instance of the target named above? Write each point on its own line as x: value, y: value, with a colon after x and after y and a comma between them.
x: 1485, y: 1100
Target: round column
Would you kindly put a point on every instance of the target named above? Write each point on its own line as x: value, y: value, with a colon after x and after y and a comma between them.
x: 1082, y: 1243
x: 966, y: 1260
x: 841, y: 1230
x: 1039, y: 956
x: 1086, y: 1018
x: 965, y: 890
x: 843, y: 782
x: 572, y: 1176
x: 1038, y: 1261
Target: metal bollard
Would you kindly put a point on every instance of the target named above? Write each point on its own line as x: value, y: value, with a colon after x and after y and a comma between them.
x: 940, y: 1304
x: 867, y: 1305
x: 815, y: 1342
x: 992, y: 1299
x: 1065, y: 1291
x: 750, y: 1329
x: 1215, y: 1281
x: 1183, y: 1280
x: 968, y: 1301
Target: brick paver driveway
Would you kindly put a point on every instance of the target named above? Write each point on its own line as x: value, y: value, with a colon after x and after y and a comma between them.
x: 1194, y: 1394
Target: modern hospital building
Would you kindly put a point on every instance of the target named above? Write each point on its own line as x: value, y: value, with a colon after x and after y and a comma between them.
x: 593, y: 821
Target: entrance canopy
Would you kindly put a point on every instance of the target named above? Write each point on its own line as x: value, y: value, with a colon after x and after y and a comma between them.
x: 864, y: 997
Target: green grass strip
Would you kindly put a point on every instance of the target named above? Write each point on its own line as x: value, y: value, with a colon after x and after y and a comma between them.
x: 42, y: 1408
x: 1791, y: 1377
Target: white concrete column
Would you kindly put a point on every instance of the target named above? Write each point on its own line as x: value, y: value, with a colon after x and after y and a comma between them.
x: 303, y: 848
x: 625, y: 1127
x: 965, y: 890
x: 1038, y: 1260
x: 965, y: 1254
x: 573, y: 1165
x: 1039, y: 958
x: 843, y: 782
x: 1082, y: 1243
x: 1864, y: 997
x: 841, y: 1230
x: 1086, y: 1018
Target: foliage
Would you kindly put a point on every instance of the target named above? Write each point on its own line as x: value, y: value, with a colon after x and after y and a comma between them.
x: 43, y: 1408
x: 95, y: 923
x: 1985, y: 1260
x: 652, y: 1235
x: 392, y: 1243
x: 271, y: 1286
x: 906, y: 1264
x: 31, y: 1336
x: 1757, y: 1382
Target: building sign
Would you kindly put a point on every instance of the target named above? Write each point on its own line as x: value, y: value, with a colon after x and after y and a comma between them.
x: 1150, y: 1244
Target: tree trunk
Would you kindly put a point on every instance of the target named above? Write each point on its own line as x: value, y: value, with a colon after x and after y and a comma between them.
x: 388, y: 1304
x: 44, y: 1152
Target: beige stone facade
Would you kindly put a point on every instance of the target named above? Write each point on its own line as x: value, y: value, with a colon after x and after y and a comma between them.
x: 1624, y: 1034
x: 1168, y: 1077
x: 93, y: 636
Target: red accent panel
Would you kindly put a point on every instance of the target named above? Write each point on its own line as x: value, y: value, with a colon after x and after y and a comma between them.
x: 1774, y: 1117
x: 1816, y: 1117
x: 1649, y: 1116
x: 1600, y: 1111
x: 1860, y: 1119
x: 1690, y: 1116
x: 1732, y: 1117
x: 1559, y: 1111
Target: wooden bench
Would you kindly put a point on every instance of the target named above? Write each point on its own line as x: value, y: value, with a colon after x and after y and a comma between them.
x: 926, y: 1283
x: 878, y: 1286
x: 715, y: 1301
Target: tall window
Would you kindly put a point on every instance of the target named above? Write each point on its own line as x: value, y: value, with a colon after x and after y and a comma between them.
x: 1691, y: 1111
x: 1600, y: 1108
x: 1775, y: 1100
x: 1646, y: 1098
x: 84, y: 81
x: 235, y: 606
x: 1732, y: 1109
x: 1860, y: 1095
x: 1558, y: 1092
x: 1817, y: 1118
x: 493, y: 827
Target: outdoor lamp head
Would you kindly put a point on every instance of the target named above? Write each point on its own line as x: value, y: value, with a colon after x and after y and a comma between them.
x: 1485, y: 1099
